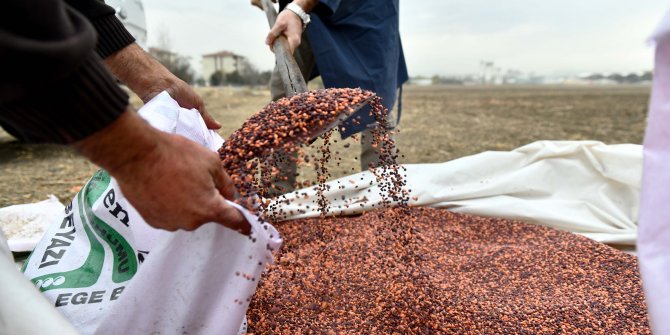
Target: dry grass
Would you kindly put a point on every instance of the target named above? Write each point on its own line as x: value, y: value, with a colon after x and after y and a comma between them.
x: 438, y: 124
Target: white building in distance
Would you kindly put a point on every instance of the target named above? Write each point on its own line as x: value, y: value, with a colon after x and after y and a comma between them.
x: 224, y: 61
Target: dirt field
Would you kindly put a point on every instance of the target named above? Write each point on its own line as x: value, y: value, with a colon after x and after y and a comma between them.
x: 438, y: 124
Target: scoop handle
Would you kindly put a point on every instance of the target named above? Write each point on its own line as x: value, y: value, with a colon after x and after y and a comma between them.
x: 289, y: 72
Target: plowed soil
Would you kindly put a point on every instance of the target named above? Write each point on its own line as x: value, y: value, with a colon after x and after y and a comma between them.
x: 439, y: 123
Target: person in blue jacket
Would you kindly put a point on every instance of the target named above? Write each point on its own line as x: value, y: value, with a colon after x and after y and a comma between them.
x: 349, y: 43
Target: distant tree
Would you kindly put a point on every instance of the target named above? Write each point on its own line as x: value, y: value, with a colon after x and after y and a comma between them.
x: 181, y: 68
x: 451, y: 81
x: 217, y: 78
x: 177, y: 64
x: 595, y: 76
x: 616, y: 77
x: 235, y: 78
x: 248, y: 77
x: 631, y: 78
x: 251, y: 76
x: 647, y: 76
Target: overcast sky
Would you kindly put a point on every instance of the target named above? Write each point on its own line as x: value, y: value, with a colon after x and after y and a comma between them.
x: 446, y: 37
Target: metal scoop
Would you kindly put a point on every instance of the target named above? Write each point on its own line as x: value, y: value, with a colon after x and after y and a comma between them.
x: 292, y: 78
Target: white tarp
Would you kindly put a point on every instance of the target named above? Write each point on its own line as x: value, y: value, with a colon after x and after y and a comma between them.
x: 24, y: 225
x: 654, y: 238
x: 585, y: 187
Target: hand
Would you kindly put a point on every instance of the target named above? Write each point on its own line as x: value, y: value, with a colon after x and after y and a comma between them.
x: 173, y: 183
x: 288, y: 24
x: 147, y: 78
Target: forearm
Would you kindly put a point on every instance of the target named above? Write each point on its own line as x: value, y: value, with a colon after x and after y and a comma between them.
x: 173, y: 182
x: 147, y: 77
x: 306, y: 5
x: 143, y: 74
x: 117, y: 147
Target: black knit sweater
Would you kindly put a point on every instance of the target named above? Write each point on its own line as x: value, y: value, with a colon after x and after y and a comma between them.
x: 53, y: 84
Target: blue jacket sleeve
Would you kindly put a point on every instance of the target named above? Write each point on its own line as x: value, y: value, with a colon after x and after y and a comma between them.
x: 331, y: 4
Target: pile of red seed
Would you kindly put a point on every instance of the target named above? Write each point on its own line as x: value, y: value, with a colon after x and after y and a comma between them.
x: 249, y: 154
x: 417, y: 271
x: 436, y: 272
x: 283, y: 125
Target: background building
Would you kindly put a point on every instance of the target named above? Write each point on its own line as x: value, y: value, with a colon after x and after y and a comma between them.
x: 225, y: 62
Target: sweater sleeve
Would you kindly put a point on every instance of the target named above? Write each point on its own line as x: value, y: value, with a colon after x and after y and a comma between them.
x: 53, y: 86
x: 112, y: 35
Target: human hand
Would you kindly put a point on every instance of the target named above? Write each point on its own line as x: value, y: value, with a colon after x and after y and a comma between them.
x: 173, y: 183
x: 288, y: 24
x: 145, y: 76
x: 185, y: 96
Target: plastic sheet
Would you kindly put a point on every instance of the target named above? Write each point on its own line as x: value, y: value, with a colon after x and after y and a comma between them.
x: 25, y: 224
x: 585, y: 187
x: 654, y: 238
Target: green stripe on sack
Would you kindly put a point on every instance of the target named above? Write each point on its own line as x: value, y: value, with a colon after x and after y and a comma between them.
x: 125, y: 262
x: 87, y: 274
x: 26, y: 262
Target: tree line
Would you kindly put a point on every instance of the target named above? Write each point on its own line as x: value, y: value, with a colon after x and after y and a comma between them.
x: 181, y: 67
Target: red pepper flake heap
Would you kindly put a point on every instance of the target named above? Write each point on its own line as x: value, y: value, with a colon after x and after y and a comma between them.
x: 283, y: 125
x: 250, y: 153
x: 444, y: 273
